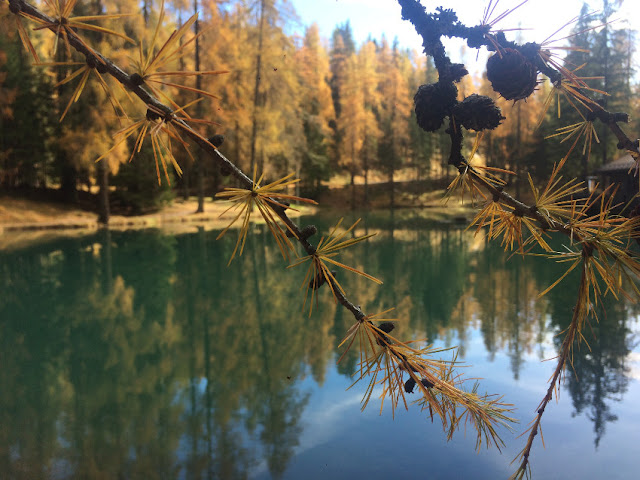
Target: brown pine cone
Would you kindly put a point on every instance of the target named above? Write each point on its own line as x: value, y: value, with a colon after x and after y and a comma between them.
x: 478, y: 112
x: 433, y: 103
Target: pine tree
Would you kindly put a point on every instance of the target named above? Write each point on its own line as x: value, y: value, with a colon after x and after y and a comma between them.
x: 317, y: 110
x: 26, y: 121
x: 369, y: 77
x: 342, y: 47
x: 422, y: 148
x: 603, y: 57
x: 395, y: 111
x: 350, y: 122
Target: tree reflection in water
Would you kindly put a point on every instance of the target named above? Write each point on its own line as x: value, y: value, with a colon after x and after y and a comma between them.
x: 601, y: 371
x: 141, y: 355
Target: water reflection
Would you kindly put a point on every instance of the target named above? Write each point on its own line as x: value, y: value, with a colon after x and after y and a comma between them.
x: 141, y: 355
x: 601, y: 371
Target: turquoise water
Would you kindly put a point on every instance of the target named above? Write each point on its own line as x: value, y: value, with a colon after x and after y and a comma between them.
x: 141, y: 355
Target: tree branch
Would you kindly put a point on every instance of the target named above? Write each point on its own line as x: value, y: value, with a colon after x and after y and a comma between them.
x: 150, y: 100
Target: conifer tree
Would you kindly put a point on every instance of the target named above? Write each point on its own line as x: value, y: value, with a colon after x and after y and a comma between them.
x: 317, y: 110
x: 350, y: 122
x: 369, y: 76
x: 422, y: 148
x: 26, y: 121
x: 395, y: 111
x: 342, y: 47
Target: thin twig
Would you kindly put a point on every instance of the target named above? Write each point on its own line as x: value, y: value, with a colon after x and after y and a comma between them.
x: 570, y: 335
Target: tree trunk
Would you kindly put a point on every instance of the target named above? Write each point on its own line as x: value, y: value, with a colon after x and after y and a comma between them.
x: 107, y: 262
x: 236, y: 145
x: 365, y: 168
x: 256, y: 90
x: 606, y: 73
x: 103, y: 194
x: 199, y: 156
x: 185, y: 182
x: 146, y: 7
x: 604, y: 102
x: 365, y: 201
x: 353, y: 177
x: 68, y: 172
x: 353, y: 190
x: 392, y: 192
x: 68, y: 180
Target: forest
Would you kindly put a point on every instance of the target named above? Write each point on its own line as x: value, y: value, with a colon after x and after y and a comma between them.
x: 322, y: 108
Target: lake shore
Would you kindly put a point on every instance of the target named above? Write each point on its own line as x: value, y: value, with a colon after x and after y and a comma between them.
x: 26, y: 214
x: 25, y: 221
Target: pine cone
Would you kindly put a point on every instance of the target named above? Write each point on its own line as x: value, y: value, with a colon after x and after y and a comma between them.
x: 433, y: 103
x: 216, y: 140
x: 386, y: 327
x: 136, y: 79
x: 478, y: 112
x: 409, y: 385
x: 426, y: 383
x: 511, y: 74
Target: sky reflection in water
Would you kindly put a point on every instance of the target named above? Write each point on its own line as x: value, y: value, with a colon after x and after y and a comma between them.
x: 141, y: 355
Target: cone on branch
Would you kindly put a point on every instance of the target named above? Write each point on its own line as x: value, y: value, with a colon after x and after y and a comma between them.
x: 478, y: 112
x: 433, y: 102
x: 512, y: 74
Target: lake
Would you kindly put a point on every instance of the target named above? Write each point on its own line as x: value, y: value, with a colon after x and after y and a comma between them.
x: 141, y: 355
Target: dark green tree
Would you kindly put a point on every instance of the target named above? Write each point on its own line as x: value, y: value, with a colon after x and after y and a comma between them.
x: 137, y: 190
x: 27, y: 123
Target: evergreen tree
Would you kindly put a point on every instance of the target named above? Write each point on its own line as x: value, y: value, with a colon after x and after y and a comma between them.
x: 369, y: 78
x: 350, y: 122
x: 422, y: 147
x: 395, y: 111
x: 317, y: 110
x: 26, y: 121
x: 603, y: 57
x: 342, y: 47
x: 137, y: 191
x: 612, y: 56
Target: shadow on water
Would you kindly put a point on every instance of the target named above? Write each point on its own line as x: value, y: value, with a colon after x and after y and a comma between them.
x: 141, y: 355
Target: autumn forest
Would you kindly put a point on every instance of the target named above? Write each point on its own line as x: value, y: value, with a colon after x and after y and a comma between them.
x: 285, y: 102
